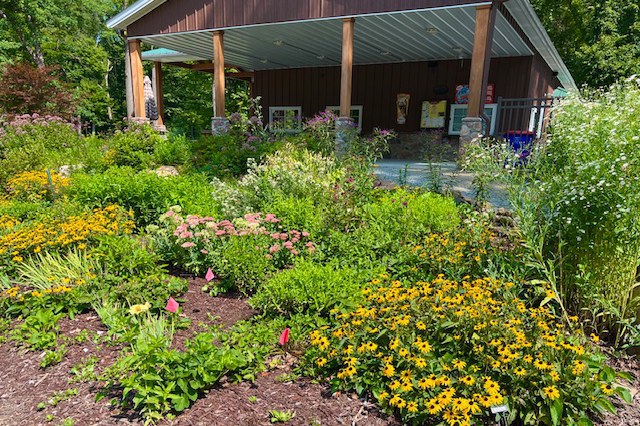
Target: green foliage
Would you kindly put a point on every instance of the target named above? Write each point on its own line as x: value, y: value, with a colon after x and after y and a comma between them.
x: 125, y: 256
x: 145, y: 193
x: 34, y: 143
x: 47, y: 270
x: 160, y: 380
x: 154, y: 289
x: 38, y: 331
x: 576, y: 202
x: 133, y: 147
x: 599, y: 40
x: 309, y: 288
x: 277, y: 416
x: 175, y: 150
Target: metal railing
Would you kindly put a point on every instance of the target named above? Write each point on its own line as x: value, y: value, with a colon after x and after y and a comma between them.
x: 523, y: 115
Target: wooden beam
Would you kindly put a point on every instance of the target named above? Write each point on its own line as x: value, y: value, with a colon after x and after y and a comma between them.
x: 158, y: 85
x: 481, y: 59
x: 348, y: 25
x: 137, y: 78
x: 218, y: 74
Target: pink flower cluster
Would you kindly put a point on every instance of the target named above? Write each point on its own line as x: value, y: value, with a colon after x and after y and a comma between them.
x: 195, y: 231
x: 23, y: 120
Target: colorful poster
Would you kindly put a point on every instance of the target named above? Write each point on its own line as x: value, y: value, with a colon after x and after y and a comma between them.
x: 433, y: 115
x: 402, y: 105
x: 462, y: 94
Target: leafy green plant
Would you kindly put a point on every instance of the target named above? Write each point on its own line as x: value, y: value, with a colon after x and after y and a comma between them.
x: 158, y: 380
x: 38, y: 331
x: 133, y: 147
x: 47, y: 270
x: 276, y: 416
x: 145, y: 193
x: 53, y: 357
x: 576, y: 202
x: 309, y: 288
x: 126, y: 256
x: 174, y: 150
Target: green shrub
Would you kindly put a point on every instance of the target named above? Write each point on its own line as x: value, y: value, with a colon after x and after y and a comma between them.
x: 404, y: 216
x: 243, y: 252
x: 292, y: 172
x: 126, y: 256
x: 34, y: 143
x: 576, y: 201
x: 298, y: 213
x: 155, y: 289
x: 145, y: 193
x: 310, y: 288
x: 175, y: 150
x: 133, y: 147
x: 446, y: 352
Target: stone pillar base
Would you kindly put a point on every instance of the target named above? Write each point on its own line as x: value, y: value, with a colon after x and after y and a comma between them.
x: 219, y: 125
x: 470, y: 132
x: 344, y: 133
x: 140, y: 120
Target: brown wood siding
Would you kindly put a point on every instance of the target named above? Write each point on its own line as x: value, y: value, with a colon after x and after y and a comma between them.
x: 375, y: 87
x: 542, y: 81
x: 176, y: 16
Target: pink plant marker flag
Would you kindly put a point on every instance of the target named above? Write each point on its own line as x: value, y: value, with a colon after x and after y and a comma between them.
x: 284, y: 337
x: 172, y: 305
x: 210, y: 275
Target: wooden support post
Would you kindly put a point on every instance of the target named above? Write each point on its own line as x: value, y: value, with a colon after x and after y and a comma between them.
x: 137, y: 78
x: 159, y: 91
x: 348, y: 25
x: 218, y: 74
x: 480, y: 61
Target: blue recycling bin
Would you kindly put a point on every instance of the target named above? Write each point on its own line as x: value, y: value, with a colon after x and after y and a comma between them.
x: 520, y: 141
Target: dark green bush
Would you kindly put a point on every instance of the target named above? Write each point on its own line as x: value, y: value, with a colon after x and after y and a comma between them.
x: 227, y: 155
x: 310, y: 288
x: 175, y: 150
x: 147, y: 194
x: 126, y: 256
x: 132, y: 147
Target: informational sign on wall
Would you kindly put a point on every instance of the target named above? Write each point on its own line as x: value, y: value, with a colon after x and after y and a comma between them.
x: 433, y: 115
x: 462, y: 94
x: 402, y: 105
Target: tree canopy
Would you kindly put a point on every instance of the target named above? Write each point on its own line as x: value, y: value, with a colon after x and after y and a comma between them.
x: 598, y: 39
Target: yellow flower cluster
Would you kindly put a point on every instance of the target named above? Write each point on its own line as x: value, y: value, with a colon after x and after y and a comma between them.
x: 72, y: 231
x: 8, y: 222
x: 448, y: 351
x: 35, y: 185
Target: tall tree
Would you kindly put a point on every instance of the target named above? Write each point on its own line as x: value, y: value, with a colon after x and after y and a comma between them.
x: 599, y: 39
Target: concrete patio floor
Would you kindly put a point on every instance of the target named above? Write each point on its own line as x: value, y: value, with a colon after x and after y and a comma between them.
x: 418, y: 174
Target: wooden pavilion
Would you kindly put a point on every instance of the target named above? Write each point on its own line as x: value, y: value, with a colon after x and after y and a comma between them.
x: 405, y: 65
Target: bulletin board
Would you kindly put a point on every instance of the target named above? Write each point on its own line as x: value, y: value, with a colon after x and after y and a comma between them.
x: 433, y: 115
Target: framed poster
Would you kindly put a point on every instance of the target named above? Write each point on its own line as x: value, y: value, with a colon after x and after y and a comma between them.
x: 433, y: 115
x: 462, y: 94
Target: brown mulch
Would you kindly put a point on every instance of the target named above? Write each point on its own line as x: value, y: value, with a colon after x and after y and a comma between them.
x: 628, y: 414
x: 24, y: 385
x: 231, y: 405
x: 205, y: 311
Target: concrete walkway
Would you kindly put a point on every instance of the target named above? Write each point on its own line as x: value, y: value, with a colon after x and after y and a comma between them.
x: 419, y: 174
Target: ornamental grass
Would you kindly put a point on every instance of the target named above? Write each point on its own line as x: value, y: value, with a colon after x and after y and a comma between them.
x: 449, y: 351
